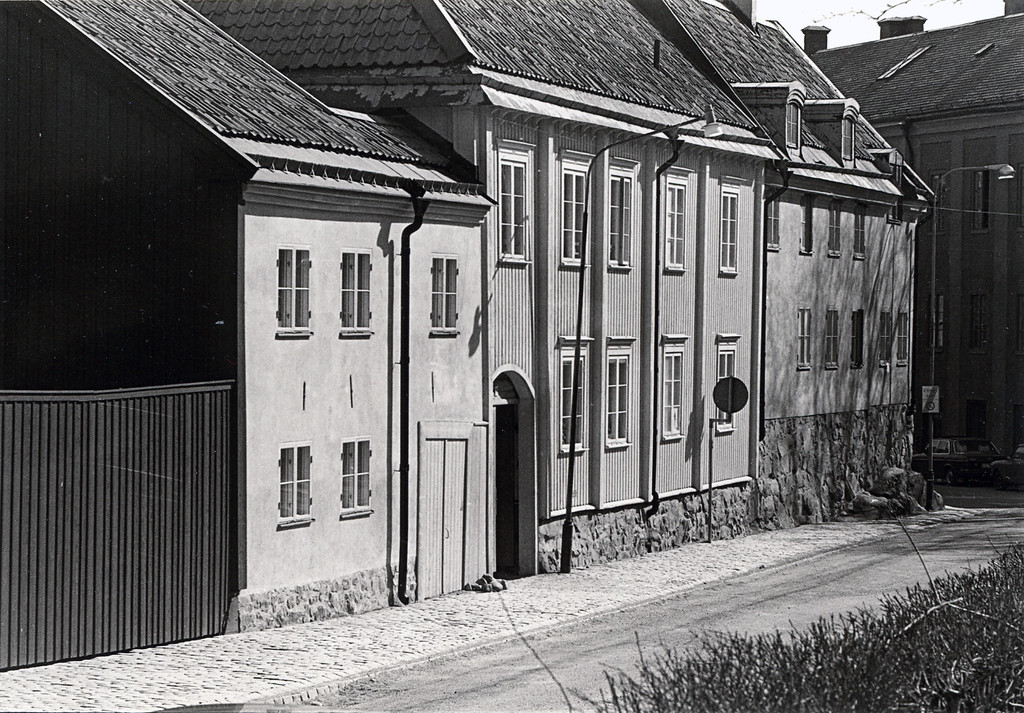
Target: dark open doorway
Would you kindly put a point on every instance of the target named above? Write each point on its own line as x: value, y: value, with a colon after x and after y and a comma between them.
x: 506, y: 475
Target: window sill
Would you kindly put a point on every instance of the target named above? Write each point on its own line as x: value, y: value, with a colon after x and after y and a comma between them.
x: 901, y: 362
x: 724, y: 430
x: 676, y: 269
x: 566, y: 264
x: 803, y: 367
x: 355, y: 514
x: 355, y: 334
x: 513, y: 261
x: 306, y: 334
x: 857, y: 366
x: 834, y: 254
x: 443, y: 333
x: 808, y: 253
x: 564, y: 450
x: 860, y: 256
x: 617, y: 446
x: 672, y: 438
x: 294, y: 523
x: 773, y: 248
x: 619, y: 268
x: 730, y: 273
x: 575, y: 509
x: 893, y: 221
x: 831, y: 367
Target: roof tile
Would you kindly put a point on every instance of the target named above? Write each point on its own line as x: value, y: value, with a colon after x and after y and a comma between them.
x: 949, y: 76
x: 226, y: 87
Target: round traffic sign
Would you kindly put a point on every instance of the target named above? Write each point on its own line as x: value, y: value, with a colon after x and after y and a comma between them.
x: 730, y: 395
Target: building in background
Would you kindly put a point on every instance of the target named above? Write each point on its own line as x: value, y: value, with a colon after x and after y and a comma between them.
x: 950, y: 100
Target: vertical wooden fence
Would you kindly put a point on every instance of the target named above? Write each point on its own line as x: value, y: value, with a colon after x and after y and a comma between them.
x: 116, y: 513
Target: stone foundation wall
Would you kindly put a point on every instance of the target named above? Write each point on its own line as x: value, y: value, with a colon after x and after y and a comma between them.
x: 355, y: 594
x: 811, y: 468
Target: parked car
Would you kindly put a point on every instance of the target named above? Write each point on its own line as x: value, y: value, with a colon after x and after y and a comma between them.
x: 1009, y: 471
x: 959, y: 459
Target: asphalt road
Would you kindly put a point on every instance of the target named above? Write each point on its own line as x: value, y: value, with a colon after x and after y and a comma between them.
x: 553, y: 670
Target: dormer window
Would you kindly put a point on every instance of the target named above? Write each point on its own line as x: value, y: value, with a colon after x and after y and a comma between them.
x: 848, y: 135
x: 793, y: 125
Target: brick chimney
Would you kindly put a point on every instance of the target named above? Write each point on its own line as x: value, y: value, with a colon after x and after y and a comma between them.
x: 899, y: 26
x: 748, y: 9
x: 816, y: 38
x: 1014, y: 6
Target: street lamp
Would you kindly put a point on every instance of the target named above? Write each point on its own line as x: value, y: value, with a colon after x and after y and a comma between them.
x: 1004, y: 172
x: 711, y: 129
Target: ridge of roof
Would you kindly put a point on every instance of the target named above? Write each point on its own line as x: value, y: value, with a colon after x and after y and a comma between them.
x: 948, y: 28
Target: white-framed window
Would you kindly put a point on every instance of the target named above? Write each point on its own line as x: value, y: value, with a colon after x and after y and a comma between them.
x: 726, y: 367
x: 672, y: 392
x: 885, y: 338
x: 835, y: 228
x: 793, y: 125
x: 355, y: 474
x: 618, y: 397
x: 565, y: 400
x: 807, y: 225
x: 902, y: 338
x: 831, y: 338
x: 293, y: 310
x: 849, y: 132
x: 803, y: 360
x: 620, y: 216
x: 574, y: 186
x: 355, y: 291
x: 857, y: 339
x: 978, y: 327
x: 729, y: 231
x: 294, y: 466
x: 772, y: 231
x: 675, y: 222
x: 444, y: 293
x: 860, y: 233
x: 513, y: 203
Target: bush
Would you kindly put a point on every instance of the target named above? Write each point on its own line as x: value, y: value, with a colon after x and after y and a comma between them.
x: 957, y: 648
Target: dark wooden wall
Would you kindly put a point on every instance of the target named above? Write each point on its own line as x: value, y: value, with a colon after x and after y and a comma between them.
x: 118, y: 223
x: 115, y: 520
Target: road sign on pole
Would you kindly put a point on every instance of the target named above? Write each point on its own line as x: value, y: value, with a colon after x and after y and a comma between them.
x: 929, y: 399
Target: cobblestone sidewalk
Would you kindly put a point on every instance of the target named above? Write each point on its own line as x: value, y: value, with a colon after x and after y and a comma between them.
x: 295, y: 663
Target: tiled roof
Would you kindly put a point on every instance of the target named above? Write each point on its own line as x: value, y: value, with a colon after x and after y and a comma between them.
x: 768, y: 55
x: 950, y: 76
x: 317, y: 34
x: 745, y: 56
x: 604, y: 47
x: 230, y: 90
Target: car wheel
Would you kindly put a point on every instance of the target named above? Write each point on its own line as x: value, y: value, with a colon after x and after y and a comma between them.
x: 949, y: 477
x: 1000, y: 481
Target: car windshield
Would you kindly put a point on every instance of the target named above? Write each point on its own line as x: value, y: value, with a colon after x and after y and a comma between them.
x: 975, y: 446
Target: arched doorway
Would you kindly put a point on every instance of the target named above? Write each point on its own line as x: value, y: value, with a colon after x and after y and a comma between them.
x: 514, y: 469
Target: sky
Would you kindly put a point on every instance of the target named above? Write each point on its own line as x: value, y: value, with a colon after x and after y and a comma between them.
x: 852, y: 28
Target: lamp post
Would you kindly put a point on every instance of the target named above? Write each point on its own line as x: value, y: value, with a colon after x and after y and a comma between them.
x: 710, y: 129
x: 1004, y: 172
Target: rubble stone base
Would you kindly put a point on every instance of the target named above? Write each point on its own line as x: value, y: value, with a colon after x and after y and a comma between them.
x: 354, y: 594
x: 811, y: 469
